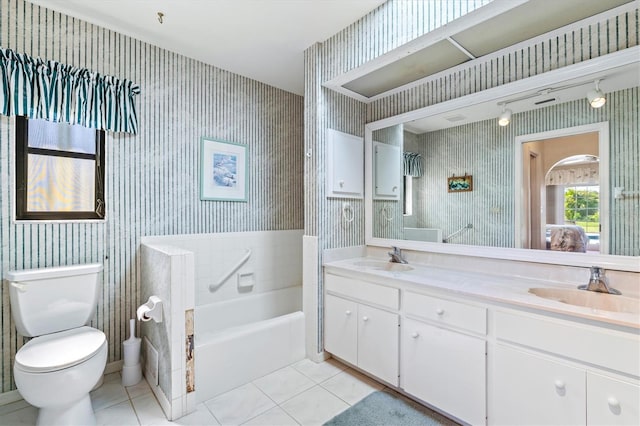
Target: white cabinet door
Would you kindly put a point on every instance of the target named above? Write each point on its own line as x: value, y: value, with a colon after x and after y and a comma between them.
x: 445, y: 369
x: 612, y: 402
x: 529, y: 390
x: 387, y: 171
x: 378, y: 343
x: 341, y: 328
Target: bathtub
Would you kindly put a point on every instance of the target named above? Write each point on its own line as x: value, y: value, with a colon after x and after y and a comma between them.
x: 240, y: 340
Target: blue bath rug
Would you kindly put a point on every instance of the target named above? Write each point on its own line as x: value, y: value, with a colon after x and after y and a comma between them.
x: 387, y: 408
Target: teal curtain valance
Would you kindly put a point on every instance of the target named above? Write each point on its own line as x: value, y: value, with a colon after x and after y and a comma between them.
x: 62, y: 93
x: 412, y: 164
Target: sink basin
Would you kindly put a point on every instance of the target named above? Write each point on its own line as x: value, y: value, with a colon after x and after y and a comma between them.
x: 590, y: 299
x: 381, y: 265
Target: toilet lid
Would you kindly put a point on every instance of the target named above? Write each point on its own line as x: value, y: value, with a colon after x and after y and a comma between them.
x: 60, y: 350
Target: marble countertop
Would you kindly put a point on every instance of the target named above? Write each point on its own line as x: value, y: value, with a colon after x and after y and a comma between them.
x: 509, y: 290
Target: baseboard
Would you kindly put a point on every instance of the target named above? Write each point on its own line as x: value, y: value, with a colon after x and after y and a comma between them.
x: 165, y: 404
x: 9, y: 397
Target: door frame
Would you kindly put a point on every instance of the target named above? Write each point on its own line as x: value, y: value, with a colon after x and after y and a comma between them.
x: 602, y: 129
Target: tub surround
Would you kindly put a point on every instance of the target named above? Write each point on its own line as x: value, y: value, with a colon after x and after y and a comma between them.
x: 263, y: 325
x: 168, y: 272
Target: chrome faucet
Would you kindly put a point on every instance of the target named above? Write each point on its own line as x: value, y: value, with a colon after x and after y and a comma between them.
x: 396, y: 255
x: 598, y: 282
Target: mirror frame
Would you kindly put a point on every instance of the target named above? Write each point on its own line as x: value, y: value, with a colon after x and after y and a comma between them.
x: 590, y: 69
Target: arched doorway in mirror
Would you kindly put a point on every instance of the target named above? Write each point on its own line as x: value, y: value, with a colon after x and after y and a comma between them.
x: 563, y: 204
x: 573, y: 204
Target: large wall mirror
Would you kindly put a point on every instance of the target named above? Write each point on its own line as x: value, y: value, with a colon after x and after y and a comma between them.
x: 560, y: 183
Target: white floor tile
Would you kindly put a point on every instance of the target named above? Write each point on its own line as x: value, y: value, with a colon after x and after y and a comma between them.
x: 121, y: 414
x: 139, y: 389
x: 23, y: 416
x: 201, y: 417
x: 112, y: 377
x: 13, y: 406
x: 239, y: 405
x: 274, y: 417
x: 110, y: 393
x: 284, y: 384
x: 351, y: 386
x: 149, y: 411
x: 314, y: 406
x: 319, y: 372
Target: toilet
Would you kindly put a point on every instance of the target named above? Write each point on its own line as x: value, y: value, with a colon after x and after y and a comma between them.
x: 57, y: 368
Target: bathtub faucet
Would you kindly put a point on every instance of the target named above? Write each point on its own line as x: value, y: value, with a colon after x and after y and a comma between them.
x: 396, y: 255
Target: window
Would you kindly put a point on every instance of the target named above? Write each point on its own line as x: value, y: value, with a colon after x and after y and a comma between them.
x: 582, y: 207
x: 59, y: 171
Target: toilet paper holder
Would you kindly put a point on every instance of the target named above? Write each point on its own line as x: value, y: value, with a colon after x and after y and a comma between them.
x: 152, y: 310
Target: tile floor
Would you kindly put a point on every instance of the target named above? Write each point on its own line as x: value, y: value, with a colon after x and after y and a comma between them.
x: 304, y: 393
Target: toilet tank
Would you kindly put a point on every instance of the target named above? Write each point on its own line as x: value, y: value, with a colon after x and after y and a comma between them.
x: 48, y: 300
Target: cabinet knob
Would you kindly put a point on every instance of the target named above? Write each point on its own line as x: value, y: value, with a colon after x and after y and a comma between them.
x: 341, y: 183
x: 347, y: 312
x: 415, y: 334
x: 365, y: 318
x: 560, y: 387
x: 439, y: 311
x: 613, y: 402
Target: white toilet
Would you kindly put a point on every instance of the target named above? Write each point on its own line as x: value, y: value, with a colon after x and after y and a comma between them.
x: 56, y: 369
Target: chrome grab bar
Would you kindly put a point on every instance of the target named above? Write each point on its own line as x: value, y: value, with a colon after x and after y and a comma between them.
x: 448, y: 237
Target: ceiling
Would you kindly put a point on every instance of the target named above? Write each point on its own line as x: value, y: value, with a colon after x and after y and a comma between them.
x: 260, y: 39
x: 472, y: 36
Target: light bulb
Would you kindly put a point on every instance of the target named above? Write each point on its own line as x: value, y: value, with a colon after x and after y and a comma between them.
x: 505, y: 118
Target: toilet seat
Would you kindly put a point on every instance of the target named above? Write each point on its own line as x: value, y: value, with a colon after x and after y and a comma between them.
x: 57, y: 351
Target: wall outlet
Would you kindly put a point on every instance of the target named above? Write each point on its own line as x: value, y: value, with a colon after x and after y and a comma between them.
x: 150, y: 362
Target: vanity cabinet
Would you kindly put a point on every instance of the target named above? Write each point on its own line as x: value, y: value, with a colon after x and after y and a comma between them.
x: 361, y: 334
x: 552, y: 372
x: 440, y: 365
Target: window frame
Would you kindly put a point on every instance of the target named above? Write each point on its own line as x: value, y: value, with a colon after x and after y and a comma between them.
x: 21, y: 178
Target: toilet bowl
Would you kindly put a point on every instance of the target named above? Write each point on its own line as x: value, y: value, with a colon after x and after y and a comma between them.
x: 55, y: 373
x: 56, y: 370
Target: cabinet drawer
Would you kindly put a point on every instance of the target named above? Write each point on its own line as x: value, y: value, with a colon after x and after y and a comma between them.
x: 446, y: 312
x: 361, y: 290
x: 611, y: 401
x: 573, y: 340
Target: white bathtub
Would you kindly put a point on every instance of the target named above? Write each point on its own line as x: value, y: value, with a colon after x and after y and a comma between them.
x: 242, y: 339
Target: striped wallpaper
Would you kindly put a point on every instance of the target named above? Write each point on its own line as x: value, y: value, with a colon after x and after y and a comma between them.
x: 152, y: 177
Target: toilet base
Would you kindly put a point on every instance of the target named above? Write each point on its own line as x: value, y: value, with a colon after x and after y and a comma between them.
x: 80, y: 413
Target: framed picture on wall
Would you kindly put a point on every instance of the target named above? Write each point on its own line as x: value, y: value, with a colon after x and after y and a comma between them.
x: 223, y: 170
x: 460, y: 183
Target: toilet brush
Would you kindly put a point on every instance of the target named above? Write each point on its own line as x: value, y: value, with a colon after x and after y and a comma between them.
x: 131, y: 370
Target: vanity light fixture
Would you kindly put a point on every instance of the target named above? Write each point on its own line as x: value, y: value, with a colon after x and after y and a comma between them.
x: 505, y: 117
x: 596, y: 97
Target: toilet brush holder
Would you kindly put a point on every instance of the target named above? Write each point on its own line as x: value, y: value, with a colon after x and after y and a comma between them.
x: 131, y: 370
